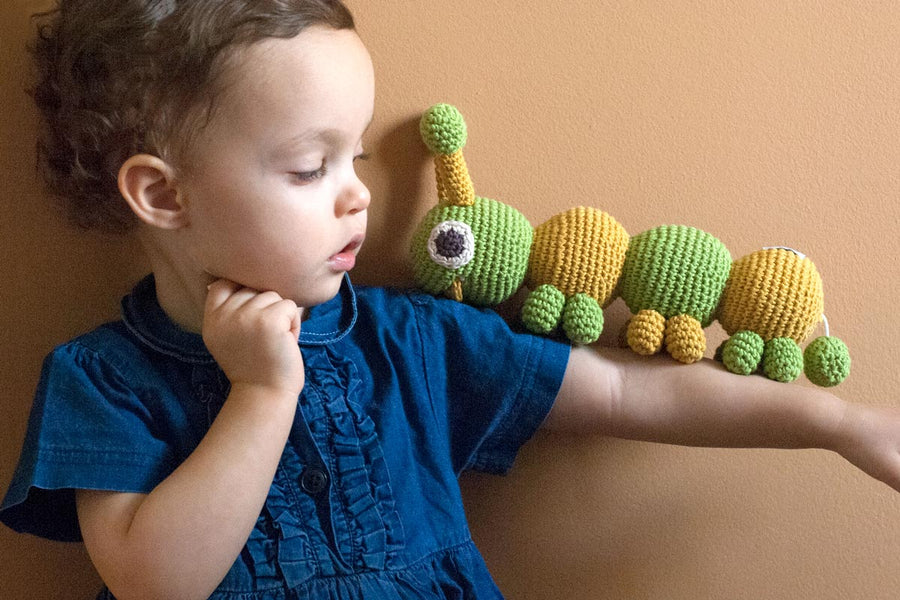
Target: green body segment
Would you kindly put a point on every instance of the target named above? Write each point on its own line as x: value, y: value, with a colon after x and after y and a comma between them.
x: 675, y: 270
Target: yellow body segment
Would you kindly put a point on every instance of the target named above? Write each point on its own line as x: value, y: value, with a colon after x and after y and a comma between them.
x: 775, y: 293
x: 581, y: 250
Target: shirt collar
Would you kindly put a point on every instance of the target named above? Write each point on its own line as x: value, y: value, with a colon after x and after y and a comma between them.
x: 325, y: 324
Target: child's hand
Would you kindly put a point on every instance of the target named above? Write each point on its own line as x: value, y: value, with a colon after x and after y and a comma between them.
x: 253, y: 336
x: 869, y: 437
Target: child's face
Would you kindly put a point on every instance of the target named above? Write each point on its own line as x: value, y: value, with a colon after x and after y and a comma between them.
x: 273, y: 200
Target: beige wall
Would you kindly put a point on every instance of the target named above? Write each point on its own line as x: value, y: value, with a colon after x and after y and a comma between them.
x: 764, y: 122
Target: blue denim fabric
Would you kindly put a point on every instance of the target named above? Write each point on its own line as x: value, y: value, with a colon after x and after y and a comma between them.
x: 403, y: 392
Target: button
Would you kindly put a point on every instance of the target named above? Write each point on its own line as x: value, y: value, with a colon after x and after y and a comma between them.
x: 314, y: 481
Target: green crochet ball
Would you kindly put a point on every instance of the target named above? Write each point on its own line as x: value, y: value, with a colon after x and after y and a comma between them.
x: 826, y: 361
x: 582, y: 319
x: 782, y: 360
x: 543, y: 309
x: 443, y: 129
x: 675, y: 270
x: 742, y: 352
x: 484, y: 246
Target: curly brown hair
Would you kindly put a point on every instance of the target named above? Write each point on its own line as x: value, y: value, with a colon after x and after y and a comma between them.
x: 120, y: 78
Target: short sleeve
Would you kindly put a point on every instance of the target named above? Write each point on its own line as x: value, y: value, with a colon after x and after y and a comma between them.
x: 496, y: 386
x: 88, y: 429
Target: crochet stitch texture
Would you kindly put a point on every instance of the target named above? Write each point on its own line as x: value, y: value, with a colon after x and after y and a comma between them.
x: 774, y: 293
x: 675, y: 270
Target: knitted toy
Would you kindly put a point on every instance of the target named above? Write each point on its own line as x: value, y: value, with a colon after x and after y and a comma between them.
x: 473, y: 249
x: 772, y: 302
x: 674, y: 279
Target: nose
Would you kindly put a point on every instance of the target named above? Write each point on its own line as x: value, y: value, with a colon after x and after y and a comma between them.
x: 354, y: 198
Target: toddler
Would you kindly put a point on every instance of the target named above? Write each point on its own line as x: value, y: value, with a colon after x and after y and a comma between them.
x: 256, y: 427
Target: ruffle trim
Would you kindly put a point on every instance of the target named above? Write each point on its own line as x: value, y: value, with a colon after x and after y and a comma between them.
x: 456, y: 572
x: 373, y: 530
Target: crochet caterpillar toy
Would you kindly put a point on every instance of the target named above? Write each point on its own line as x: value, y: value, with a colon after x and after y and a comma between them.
x: 674, y: 279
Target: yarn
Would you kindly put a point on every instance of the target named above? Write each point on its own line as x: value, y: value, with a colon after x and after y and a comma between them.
x: 502, y: 238
x: 471, y: 248
x: 675, y: 279
x: 685, y: 340
x: 579, y: 251
x: 742, y: 352
x: 543, y: 309
x: 443, y: 129
x: 775, y: 293
x: 582, y: 319
x: 827, y: 361
x: 454, y: 184
x: 645, y: 332
x: 782, y: 360
x: 675, y: 270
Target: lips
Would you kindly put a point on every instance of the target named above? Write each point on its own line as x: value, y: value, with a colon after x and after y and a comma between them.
x: 345, y: 259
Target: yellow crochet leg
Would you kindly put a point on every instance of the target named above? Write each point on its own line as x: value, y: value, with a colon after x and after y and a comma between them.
x: 645, y: 332
x: 685, y: 339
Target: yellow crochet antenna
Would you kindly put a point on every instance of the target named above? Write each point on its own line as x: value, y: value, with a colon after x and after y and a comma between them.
x: 443, y: 130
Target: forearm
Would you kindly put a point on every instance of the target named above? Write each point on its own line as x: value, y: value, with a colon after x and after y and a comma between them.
x: 181, y: 539
x: 655, y: 399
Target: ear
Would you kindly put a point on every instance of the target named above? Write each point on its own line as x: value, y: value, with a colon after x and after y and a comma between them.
x: 148, y: 184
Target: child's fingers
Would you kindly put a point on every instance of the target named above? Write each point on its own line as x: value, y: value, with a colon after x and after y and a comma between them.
x: 263, y: 300
x: 218, y: 292
x: 286, y: 312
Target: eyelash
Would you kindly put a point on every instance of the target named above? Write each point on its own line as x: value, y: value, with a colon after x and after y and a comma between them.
x: 310, y: 176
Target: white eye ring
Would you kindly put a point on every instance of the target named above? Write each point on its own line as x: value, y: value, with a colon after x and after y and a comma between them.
x: 455, y: 236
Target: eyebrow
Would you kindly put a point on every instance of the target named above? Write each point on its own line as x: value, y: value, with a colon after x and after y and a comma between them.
x: 328, y: 135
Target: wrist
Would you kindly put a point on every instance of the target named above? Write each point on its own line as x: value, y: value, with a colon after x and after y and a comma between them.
x: 266, y: 394
x: 838, y: 430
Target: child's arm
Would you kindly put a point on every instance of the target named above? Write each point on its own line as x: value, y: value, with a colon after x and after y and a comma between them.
x: 180, y: 540
x: 620, y: 394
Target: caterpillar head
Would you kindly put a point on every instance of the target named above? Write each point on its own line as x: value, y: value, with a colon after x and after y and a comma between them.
x: 471, y: 248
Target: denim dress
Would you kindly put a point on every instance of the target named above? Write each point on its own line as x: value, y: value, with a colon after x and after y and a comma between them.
x: 403, y: 392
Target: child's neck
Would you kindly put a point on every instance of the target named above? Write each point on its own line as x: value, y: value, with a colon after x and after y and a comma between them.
x: 180, y: 290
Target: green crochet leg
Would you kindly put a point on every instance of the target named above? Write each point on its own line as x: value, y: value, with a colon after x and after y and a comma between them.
x: 582, y: 319
x: 827, y: 361
x: 543, y: 309
x: 782, y: 360
x: 742, y: 352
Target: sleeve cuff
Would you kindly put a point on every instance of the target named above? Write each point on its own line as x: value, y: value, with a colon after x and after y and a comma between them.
x: 540, y: 385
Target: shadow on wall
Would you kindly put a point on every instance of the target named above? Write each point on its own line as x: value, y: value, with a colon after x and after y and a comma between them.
x: 399, y: 176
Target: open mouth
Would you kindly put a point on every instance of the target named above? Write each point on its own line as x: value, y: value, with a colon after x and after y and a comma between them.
x: 346, y: 258
x: 354, y: 245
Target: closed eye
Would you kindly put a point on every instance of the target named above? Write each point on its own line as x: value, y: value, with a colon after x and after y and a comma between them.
x: 310, y: 176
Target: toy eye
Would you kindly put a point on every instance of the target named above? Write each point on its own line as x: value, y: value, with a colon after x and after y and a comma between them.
x: 451, y: 244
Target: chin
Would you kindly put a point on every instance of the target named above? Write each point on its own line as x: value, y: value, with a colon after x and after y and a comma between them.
x: 321, y: 295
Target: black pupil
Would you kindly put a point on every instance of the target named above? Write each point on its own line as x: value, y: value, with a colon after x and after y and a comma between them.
x: 450, y: 243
